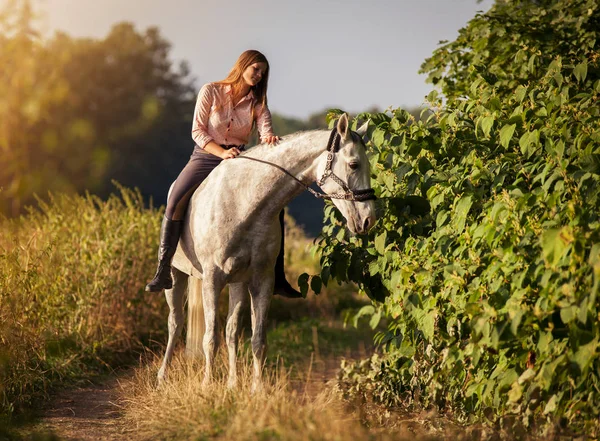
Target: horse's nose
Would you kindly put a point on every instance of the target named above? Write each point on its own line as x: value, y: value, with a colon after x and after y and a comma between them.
x: 368, y: 223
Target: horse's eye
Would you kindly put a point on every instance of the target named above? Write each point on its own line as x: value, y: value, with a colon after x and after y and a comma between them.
x: 353, y: 165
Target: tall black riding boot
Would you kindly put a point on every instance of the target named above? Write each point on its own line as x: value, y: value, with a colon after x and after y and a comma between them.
x: 282, y: 287
x: 169, y: 237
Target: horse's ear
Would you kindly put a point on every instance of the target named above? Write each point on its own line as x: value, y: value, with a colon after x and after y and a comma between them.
x: 342, y: 126
x: 362, y: 130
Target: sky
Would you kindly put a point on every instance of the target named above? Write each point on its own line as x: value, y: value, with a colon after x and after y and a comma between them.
x: 348, y: 54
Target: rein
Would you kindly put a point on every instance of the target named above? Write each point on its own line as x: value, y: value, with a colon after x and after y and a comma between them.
x: 333, y: 146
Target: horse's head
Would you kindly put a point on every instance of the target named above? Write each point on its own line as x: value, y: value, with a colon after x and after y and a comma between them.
x: 349, y: 166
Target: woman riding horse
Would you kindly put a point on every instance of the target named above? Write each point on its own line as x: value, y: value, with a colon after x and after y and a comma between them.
x: 225, y: 113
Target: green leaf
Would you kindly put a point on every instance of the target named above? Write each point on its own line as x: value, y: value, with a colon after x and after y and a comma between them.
x: 526, y: 376
x: 401, y: 171
x: 569, y: 313
x: 441, y: 218
x: 580, y: 71
x: 515, y: 393
x: 520, y: 93
x: 374, y: 268
x: 364, y: 311
x: 516, y: 321
x: 524, y: 142
x: 551, y: 405
x: 424, y: 165
x: 374, y: 322
x: 461, y: 211
x: 303, y: 284
x: 378, y: 137
x: 506, y: 134
x: 531, y: 63
x: 583, y: 357
x: 315, y: 284
x: 558, y: 78
x: 591, y: 163
x: 380, y: 242
x: 425, y: 322
x: 486, y: 125
x: 594, y: 258
x: 555, y: 243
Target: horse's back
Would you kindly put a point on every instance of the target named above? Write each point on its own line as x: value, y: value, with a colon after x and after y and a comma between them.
x: 222, y: 225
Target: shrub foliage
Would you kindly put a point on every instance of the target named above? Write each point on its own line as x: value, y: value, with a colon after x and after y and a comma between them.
x: 486, y: 255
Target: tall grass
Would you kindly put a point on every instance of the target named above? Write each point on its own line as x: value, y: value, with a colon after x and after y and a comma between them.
x: 183, y: 409
x: 72, y: 275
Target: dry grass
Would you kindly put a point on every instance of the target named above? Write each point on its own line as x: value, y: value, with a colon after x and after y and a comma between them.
x: 72, y: 276
x: 182, y: 409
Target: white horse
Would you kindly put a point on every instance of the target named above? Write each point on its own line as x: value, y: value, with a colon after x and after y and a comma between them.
x: 231, y: 233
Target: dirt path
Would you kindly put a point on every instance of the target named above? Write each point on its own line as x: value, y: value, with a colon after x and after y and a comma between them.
x: 87, y: 413
x: 94, y: 412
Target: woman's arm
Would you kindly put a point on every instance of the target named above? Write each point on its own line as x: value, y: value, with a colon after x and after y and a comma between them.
x: 264, y: 125
x: 217, y: 150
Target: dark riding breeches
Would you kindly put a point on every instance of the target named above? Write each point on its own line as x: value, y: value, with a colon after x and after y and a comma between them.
x: 199, y: 166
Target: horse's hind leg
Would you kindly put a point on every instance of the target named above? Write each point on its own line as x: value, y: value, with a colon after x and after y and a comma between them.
x: 211, y: 288
x: 175, y: 297
x: 261, y: 293
x: 238, y: 298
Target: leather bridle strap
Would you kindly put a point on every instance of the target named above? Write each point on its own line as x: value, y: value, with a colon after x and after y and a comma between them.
x: 332, y: 147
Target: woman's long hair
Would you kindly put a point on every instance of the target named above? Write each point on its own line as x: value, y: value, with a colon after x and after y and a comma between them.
x: 234, y: 78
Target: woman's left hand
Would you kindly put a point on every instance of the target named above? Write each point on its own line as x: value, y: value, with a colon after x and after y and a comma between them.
x: 272, y: 140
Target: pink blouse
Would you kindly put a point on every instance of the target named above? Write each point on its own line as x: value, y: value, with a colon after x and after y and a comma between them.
x: 217, y: 119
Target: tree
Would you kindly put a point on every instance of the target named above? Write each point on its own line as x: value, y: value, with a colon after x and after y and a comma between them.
x: 77, y: 113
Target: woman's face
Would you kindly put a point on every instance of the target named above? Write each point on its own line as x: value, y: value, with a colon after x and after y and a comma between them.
x: 254, y: 73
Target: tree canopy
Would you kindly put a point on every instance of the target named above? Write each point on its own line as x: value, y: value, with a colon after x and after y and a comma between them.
x: 76, y: 113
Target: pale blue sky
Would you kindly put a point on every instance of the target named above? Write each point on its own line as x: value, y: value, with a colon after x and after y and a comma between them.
x: 351, y: 54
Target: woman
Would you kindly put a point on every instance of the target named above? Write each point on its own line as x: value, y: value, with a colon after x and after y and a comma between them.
x: 225, y: 114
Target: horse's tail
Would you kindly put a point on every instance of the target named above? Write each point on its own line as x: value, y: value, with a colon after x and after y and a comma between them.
x: 195, y: 330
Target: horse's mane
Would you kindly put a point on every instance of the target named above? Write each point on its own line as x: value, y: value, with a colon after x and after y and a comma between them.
x: 260, y: 150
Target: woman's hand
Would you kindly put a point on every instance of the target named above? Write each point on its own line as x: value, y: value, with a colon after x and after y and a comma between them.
x: 272, y: 140
x: 229, y: 154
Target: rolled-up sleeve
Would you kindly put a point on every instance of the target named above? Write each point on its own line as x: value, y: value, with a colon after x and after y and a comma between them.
x: 263, y: 122
x: 201, y: 114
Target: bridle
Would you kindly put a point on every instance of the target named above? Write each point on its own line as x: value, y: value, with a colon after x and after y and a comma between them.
x: 333, y: 146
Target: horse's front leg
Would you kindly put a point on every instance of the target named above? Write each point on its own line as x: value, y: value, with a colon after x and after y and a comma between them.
x: 261, y: 292
x: 211, y: 288
x: 238, y: 298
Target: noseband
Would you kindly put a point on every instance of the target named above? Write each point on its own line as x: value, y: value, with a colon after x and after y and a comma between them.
x: 333, y: 146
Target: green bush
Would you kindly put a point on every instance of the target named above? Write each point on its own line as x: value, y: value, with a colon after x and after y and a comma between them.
x: 72, y: 276
x: 486, y: 256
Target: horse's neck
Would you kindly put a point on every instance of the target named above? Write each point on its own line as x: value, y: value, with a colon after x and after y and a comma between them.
x: 299, y: 155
